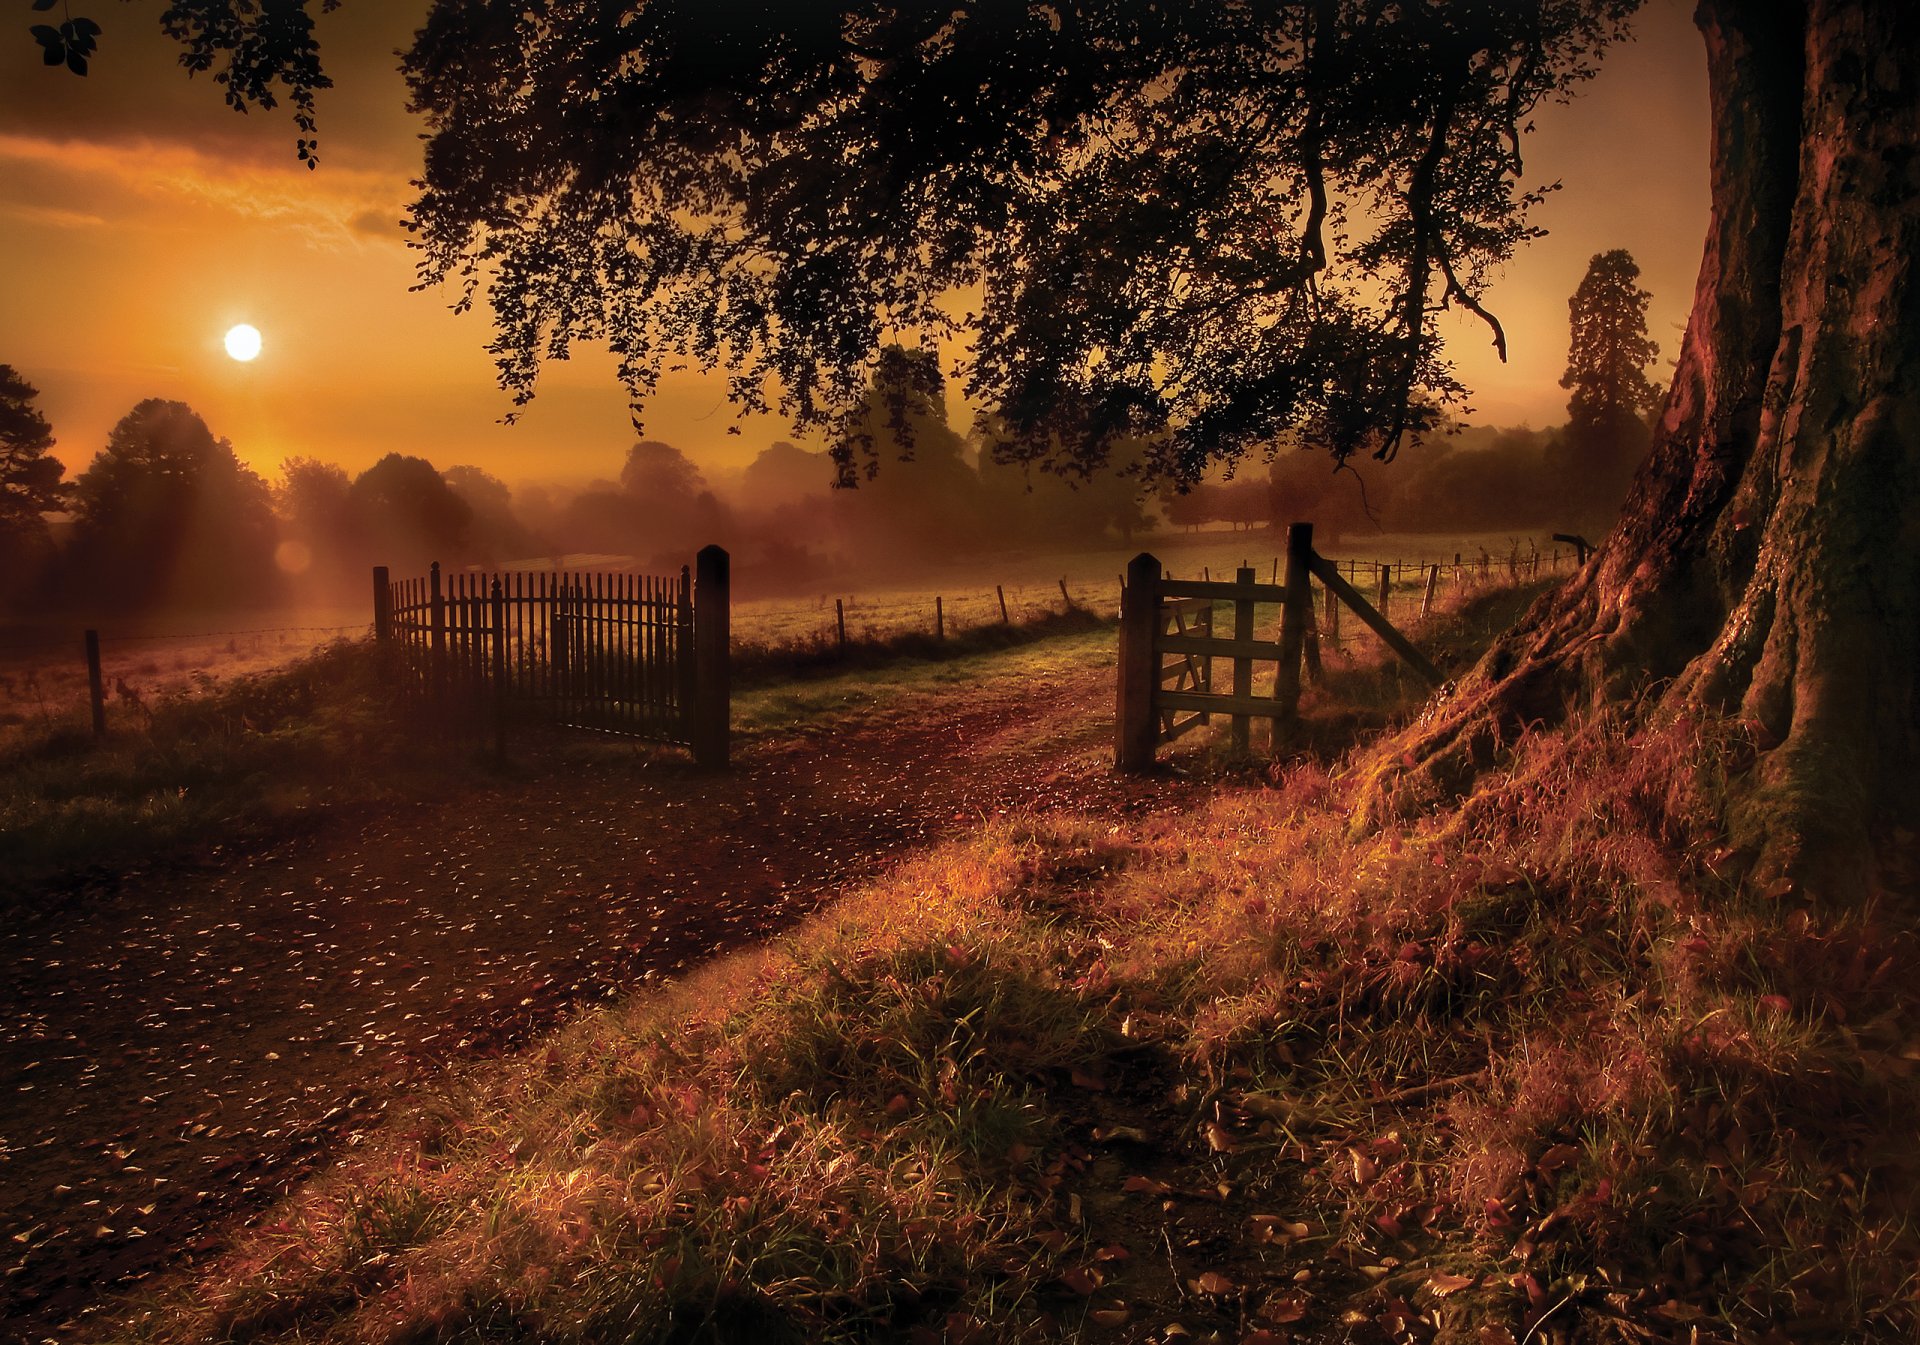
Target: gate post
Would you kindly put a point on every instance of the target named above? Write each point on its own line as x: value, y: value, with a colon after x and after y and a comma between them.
x: 712, y: 675
x: 1136, y: 735
x: 1296, y: 622
x: 382, y: 606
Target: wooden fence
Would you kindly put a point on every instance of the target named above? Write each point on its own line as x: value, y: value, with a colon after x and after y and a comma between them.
x: 641, y: 656
x: 1168, y: 646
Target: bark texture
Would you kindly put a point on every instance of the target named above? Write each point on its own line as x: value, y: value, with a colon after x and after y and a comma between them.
x: 1767, y: 563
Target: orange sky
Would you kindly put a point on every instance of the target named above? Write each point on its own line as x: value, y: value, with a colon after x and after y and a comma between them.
x: 139, y: 219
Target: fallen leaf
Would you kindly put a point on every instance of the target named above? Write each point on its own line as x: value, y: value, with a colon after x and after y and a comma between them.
x: 1212, y: 1282
x: 1083, y: 1280
x: 1444, y: 1283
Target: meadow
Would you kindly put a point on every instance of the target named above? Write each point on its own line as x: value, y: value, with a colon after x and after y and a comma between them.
x: 1201, y: 1060
x: 148, y: 660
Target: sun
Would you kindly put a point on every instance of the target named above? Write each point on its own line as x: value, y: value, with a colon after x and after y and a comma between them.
x: 243, y: 342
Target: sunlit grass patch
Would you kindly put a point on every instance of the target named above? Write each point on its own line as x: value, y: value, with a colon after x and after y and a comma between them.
x: 1530, y: 1070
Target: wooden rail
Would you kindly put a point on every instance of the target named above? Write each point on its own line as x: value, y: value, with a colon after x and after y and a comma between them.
x: 1164, y: 619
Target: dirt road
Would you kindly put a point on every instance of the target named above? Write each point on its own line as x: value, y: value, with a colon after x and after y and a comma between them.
x: 179, y: 1050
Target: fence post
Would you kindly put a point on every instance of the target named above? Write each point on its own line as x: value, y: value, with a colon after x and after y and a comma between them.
x: 96, y: 685
x: 1433, y: 582
x: 1237, y: 730
x: 499, y: 604
x: 382, y: 606
x: 1333, y: 618
x: 1065, y: 596
x: 1386, y: 587
x: 712, y: 673
x: 1136, y: 735
x: 1296, y: 623
x: 840, y: 621
x: 939, y: 619
x: 1000, y: 592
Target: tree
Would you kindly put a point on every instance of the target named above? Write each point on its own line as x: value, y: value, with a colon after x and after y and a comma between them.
x: 1609, y: 350
x: 30, y: 485
x: 168, y: 513
x: 782, y: 189
x: 320, y: 539
x: 1766, y: 561
x: 1607, y: 436
x: 407, y: 515
x: 777, y: 188
x: 927, y: 503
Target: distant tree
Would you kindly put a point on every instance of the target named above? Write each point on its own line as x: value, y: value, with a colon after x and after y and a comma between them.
x: 1607, y: 434
x: 496, y: 532
x: 408, y: 516
x: 167, y: 512
x: 1305, y: 485
x: 1609, y: 350
x: 785, y: 474
x: 30, y: 484
x: 660, y: 472
x: 927, y: 502
x: 317, y: 526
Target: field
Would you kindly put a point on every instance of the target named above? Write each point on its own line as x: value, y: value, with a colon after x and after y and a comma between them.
x: 144, y: 661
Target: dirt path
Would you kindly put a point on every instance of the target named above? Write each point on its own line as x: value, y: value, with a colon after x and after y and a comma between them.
x: 184, y: 1048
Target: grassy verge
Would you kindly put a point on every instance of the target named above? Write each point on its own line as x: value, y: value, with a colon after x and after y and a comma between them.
x: 761, y: 663
x: 215, y: 765
x: 1532, y: 1073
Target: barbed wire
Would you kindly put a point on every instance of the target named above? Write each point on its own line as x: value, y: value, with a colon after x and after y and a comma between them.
x: 9, y: 647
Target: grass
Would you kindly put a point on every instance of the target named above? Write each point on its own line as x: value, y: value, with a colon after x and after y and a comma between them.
x: 206, y: 765
x: 1533, y: 1073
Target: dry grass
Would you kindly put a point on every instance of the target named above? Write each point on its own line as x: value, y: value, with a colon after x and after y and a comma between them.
x: 1532, y: 1072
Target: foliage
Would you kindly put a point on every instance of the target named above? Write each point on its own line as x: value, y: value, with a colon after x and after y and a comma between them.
x: 408, y: 514
x: 30, y: 484
x: 1609, y: 350
x: 778, y: 189
x: 167, y: 512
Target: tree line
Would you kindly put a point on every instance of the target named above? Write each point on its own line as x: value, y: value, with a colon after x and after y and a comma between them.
x: 168, y: 512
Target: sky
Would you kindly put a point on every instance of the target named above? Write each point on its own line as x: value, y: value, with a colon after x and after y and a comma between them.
x: 140, y: 219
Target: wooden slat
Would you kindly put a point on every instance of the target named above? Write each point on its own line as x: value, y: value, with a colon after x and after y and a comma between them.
x: 1184, y: 606
x: 1219, y: 646
x: 1219, y: 703
x: 1220, y: 590
x: 1380, y: 626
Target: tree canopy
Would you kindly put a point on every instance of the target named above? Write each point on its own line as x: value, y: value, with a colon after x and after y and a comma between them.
x: 30, y: 482
x: 1212, y: 223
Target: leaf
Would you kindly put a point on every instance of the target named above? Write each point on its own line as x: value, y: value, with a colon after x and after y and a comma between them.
x: 1116, y: 1316
x: 1213, y: 1282
x: 1150, y: 1185
x: 1443, y: 1283
x: 76, y: 63
x: 1286, y: 1308
x: 1083, y: 1280
x: 1219, y: 1138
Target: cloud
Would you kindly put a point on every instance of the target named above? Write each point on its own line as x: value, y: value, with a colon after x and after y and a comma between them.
x: 52, y: 217
x: 331, y: 207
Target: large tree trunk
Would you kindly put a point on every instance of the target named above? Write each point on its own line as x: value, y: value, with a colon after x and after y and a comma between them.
x: 1768, y: 560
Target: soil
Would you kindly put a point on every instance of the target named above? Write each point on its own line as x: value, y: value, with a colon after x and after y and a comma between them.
x: 180, y: 1047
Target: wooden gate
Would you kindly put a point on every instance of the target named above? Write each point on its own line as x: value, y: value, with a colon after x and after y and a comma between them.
x: 1167, y: 636
x: 641, y: 656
